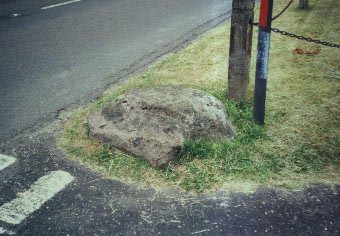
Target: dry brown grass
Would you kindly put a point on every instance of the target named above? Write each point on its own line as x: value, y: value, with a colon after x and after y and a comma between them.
x: 299, y: 144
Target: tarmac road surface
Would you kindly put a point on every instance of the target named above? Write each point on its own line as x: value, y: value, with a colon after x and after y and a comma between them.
x: 55, y: 53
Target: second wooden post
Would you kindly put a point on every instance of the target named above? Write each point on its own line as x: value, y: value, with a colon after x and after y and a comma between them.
x: 303, y: 4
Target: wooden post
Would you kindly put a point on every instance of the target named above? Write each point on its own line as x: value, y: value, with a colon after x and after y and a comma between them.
x: 241, y: 34
x: 303, y: 4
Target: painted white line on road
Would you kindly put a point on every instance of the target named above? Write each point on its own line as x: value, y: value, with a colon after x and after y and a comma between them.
x: 27, y: 202
x: 60, y: 4
x: 6, y: 161
x: 4, y: 231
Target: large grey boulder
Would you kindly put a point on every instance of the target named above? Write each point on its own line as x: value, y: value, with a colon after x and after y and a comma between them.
x: 153, y: 123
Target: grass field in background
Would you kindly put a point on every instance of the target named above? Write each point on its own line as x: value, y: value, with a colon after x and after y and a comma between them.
x: 298, y: 145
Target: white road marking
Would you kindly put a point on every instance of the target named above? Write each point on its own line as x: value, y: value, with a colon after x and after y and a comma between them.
x: 6, y: 161
x: 4, y: 231
x: 42, y: 190
x: 201, y: 231
x: 60, y: 4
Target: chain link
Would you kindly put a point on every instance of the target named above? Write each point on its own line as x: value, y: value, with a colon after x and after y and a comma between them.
x: 283, y: 11
x: 300, y: 37
x: 311, y: 40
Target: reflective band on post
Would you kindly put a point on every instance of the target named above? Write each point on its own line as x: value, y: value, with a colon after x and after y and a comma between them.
x: 263, y: 55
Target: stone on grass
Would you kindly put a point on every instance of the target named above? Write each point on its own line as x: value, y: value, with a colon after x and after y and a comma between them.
x: 153, y: 123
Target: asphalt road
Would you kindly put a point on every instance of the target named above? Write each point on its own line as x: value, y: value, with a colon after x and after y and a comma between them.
x: 64, y: 55
x: 51, y: 58
x: 91, y: 204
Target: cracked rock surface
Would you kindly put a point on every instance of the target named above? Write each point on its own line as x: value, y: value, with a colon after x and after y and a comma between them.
x: 154, y: 123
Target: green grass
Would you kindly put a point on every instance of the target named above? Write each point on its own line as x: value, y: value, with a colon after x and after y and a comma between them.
x: 299, y: 144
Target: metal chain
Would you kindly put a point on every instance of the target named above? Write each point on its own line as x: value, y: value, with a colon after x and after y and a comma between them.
x: 317, y: 41
x: 284, y: 9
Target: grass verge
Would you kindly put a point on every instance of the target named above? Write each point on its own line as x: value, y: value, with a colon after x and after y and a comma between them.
x: 300, y: 141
